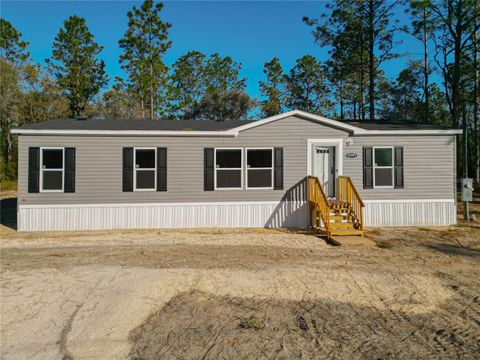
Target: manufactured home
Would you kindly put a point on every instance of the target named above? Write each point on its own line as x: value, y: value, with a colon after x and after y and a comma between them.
x: 291, y: 170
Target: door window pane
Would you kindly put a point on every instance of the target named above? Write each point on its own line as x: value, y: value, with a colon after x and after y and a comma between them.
x: 145, y: 159
x: 228, y: 159
x: 383, y: 177
x: 145, y: 179
x: 52, y: 180
x: 259, y: 158
x: 52, y: 158
x: 383, y: 157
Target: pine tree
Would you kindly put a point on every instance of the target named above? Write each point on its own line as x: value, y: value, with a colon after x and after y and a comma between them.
x: 144, y: 45
x: 306, y: 87
x: 454, y: 21
x: 223, y: 74
x: 12, y: 47
x: 13, y: 51
x: 219, y: 106
x: 78, y: 71
x: 406, y: 93
x: 189, y: 83
x: 273, y: 89
x: 363, y: 28
x: 422, y: 28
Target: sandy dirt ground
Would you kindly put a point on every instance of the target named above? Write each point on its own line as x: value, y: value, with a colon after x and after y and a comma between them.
x: 271, y: 294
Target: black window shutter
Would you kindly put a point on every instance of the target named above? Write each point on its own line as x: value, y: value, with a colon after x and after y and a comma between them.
x: 278, y: 169
x: 69, y: 178
x: 161, y: 169
x: 33, y: 169
x: 367, y: 167
x: 398, y: 167
x: 208, y: 169
x: 127, y: 169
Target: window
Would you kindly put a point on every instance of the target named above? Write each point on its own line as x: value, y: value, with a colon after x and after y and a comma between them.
x: 260, y: 168
x: 145, y: 177
x: 52, y: 169
x: 383, y: 167
x: 228, y: 168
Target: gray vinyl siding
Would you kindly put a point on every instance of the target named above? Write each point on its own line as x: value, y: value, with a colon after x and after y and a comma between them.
x: 428, y: 167
x: 99, y: 165
x: 429, y: 162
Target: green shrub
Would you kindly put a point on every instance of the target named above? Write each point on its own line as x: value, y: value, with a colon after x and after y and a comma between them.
x: 252, y: 323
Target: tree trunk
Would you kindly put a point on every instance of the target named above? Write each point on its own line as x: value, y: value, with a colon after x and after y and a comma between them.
x: 371, y: 62
x: 151, y: 90
x: 342, y: 117
x: 465, y: 141
x: 8, y: 144
x: 475, y: 103
x: 426, y: 67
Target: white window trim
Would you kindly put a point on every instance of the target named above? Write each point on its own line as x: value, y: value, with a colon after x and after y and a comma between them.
x: 240, y: 168
x: 42, y: 169
x: 260, y: 168
x: 383, y: 167
x: 144, y: 169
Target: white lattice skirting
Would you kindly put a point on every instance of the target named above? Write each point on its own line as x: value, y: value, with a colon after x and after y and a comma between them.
x: 176, y: 215
x: 222, y: 214
x: 410, y: 213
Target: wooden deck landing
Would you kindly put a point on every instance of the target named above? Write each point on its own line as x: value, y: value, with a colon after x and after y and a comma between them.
x: 348, y: 241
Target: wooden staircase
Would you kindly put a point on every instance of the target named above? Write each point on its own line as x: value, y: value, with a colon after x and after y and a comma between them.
x: 341, y: 217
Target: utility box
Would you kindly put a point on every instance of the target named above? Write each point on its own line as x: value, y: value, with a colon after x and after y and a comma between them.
x: 467, y: 189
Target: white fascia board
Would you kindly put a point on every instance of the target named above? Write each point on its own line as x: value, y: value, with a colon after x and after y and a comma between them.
x: 125, y: 132
x: 313, y: 117
x: 410, y: 132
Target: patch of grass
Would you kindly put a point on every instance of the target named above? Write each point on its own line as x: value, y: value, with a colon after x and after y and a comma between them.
x: 252, y: 323
x: 424, y: 229
x: 8, y: 185
x: 384, y: 245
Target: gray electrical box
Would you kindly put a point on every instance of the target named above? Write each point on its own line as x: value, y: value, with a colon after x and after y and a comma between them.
x: 467, y: 189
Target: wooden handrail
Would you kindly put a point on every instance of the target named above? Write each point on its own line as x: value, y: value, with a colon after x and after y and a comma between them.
x: 347, y: 192
x: 319, y: 203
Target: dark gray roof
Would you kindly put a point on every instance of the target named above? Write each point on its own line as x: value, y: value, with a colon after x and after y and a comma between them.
x: 113, y: 124
x: 382, y: 124
x: 201, y: 125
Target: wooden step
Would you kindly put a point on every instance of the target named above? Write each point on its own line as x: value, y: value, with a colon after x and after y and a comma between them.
x: 340, y: 214
x: 343, y: 232
x: 340, y: 217
x: 339, y: 208
x: 341, y: 226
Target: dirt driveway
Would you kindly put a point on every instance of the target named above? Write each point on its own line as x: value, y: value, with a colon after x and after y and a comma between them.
x: 239, y: 294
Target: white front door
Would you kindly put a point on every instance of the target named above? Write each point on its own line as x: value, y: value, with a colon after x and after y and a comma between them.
x: 324, y: 168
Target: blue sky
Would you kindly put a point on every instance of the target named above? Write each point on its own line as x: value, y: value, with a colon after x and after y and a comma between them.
x: 250, y: 32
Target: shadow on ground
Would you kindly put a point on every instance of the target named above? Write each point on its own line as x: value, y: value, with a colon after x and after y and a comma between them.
x: 8, y: 212
x: 454, y: 250
x: 197, y: 325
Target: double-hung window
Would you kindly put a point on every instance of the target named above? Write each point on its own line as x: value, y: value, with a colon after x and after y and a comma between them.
x: 228, y: 168
x: 52, y: 162
x: 383, y: 167
x: 145, y: 176
x: 260, y: 168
